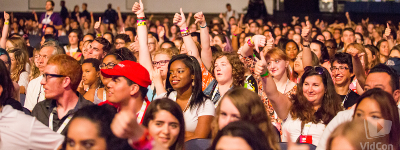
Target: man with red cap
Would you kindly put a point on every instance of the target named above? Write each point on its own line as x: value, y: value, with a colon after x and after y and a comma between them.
x: 128, y: 87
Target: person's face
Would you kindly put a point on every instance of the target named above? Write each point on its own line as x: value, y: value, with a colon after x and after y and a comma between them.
x: 358, y: 39
x: 291, y: 34
x: 44, y: 55
x: 85, y: 50
x: 232, y: 21
x: 359, y: 29
x: 348, y: 37
x: 36, y: 57
x: 51, y: 85
x: 276, y: 66
x: 9, y: 45
x: 223, y: 70
x: 395, y: 54
x: 378, y: 80
x: 228, y: 113
x: 228, y: 8
x: 336, y: 34
x: 76, y: 9
x: 193, y: 28
x: 13, y: 61
x: 86, y: 38
x: 384, y: 48
x: 368, y: 109
x: 229, y: 142
x: 241, y: 39
x: 180, y: 76
x: 153, y: 29
x: 119, y: 43
x: 321, y: 38
x: 341, y: 75
x: 291, y: 50
x: 48, y: 31
x: 151, y: 44
x: 73, y: 38
x: 316, y: 49
x: 314, y: 89
x: 108, y: 37
x: 162, y: 61
x: 4, y: 58
x: 49, y: 7
x: 331, y: 47
x: 84, y: 134
x: 369, y: 55
x: 253, y: 28
x: 277, y: 32
x: 298, y: 63
x: 173, y: 29
x: 84, y: 7
x: 74, y: 25
x: 327, y: 35
x: 119, y: 90
x: 110, y: 59
x: 97, y: 50
x: 130, y: 34
x: 89, y: 74
x: 164, y: 128
x: 340, y: 143
x: 375, y: 34
x: 218, y: 41
x: 370, y: 28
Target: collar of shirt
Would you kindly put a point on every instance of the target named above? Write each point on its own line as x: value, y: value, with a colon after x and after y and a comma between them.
x: 79, y: 104
x: 7, y: 112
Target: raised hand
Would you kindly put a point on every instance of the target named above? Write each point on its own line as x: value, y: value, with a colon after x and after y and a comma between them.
x: 118, y: 9
x: 221, y: 15
x: 179, y: 19
x: 161, y: 33
x: 190, y: 14
x: 347, y: 15
x: 6, y: 16
x: 33, y: 12
x: 270, y: 42
x: 156, y: 76
x: 199, y: 18
x: 261, y: 65
x: 354, y: 52
x: 138, y: 8
x: 97, y: 25
x: 124, y: 124
x: 387, y: 31
x: 317, y: 22
x: 306, y: 32
x: 259, y: 41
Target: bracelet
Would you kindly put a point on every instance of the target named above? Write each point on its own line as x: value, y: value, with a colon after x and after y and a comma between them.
x: 141, y: 18
x: 184, y: 30
x: 308, y: 45
x: 204, y: 26
x: 250, y: 43
x: 6, y: 23
x: 141, y: 23
x: 234, y: 35
x: 185, y: 34
x: 98, y: 35
x: 265, y: 74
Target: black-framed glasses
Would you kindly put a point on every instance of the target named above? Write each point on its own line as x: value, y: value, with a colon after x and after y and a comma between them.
x: 317, y: 69
x: 109, y: 65
x: 47, y: 76
x: 161, y: 62
x: 340, y: 68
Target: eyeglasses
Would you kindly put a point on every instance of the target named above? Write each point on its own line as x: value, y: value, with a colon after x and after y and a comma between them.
x: 110, y: 65
x: 340, y: 68
x: 46, y: 76
x: 161, y: 62
x: 317, y: 69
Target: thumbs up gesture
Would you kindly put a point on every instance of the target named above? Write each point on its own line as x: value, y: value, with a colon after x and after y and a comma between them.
x: 306, y: 32
x: 259, y: 41
x: 124, y: 124
x: 97, y: 25
x: 179, y: 19
x: 138, y: 8
x: 387, y: 32
x: 261, y: 65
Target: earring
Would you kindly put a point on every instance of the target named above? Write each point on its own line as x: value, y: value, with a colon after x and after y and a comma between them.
x: 193, y: 83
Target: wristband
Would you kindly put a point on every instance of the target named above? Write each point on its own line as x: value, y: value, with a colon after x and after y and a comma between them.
x: 98, y: 35
x: 141, y: 18
x: 203, y: 26
x: 308, y: 45
x: 185, y: 34
x: 250, y: 43
x: 144, y: 143
x: 6, y: 23
x: 234, y: 35
x: 265, y: 74
x: 184, y: 30
x: 141, y: 23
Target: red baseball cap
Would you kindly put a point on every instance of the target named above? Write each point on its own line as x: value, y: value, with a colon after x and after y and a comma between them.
x: 131, y: 70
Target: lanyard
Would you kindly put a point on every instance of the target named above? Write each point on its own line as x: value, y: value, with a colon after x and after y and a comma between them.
x: 104, y: 95
x: 141, y: 112
x: 345, y: 98
x: 64, y: 124
x: 306, y: 128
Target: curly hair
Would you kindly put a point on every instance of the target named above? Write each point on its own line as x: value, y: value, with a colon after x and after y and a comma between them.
x: 237, y: 67
x: 330, y: 105
x: 251, y: 110
x: 21, y: 58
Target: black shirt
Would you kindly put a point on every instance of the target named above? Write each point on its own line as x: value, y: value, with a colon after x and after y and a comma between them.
x: 350, y: 100
x: 43, y: 109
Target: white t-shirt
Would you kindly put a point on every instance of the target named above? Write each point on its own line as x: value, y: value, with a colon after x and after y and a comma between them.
x: 23, y: 79
x: 191, y: 116
x: 32, y: 93
x: 294, y: 128
x: 70, y: 51
x: 21, y: 131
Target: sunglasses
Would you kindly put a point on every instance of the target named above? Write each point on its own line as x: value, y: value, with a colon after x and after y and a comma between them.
x: 317, y: 69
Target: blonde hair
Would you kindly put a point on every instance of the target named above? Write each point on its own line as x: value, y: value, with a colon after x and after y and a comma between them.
x: 21, y: 58
x: 18, y: 42
x: 172, y: 51
x: 34, y: 69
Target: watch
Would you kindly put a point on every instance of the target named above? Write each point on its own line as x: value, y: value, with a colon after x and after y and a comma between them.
x: 308, y: 45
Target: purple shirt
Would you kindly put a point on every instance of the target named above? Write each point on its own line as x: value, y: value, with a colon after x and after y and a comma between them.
x: 46, y: 19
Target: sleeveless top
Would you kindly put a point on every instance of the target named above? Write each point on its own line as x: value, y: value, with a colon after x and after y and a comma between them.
x: 96, y: 99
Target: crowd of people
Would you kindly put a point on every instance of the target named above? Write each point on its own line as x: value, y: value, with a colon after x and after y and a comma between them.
x: 159, y: 84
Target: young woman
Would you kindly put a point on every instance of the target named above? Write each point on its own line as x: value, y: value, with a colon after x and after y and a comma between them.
x: 240, y: 135
x: 314, y: 106
x: 174, y: 33
x: 73, y: 45
x: 7, y: 92
x: 91, y: 78
x: 298, y: 64
x: 90, y: 129
x: 383, y: 46
x: 372, y: 55
x: 245, y: 105
x: 291, y: 50
x: 320, y: 50
x: 223, y: 42
x: 19, y: 59
x: 376, y: 106
x: 16, y: 42
x: 164, y: 120
x: 183, y: 85
x: 120, y: 40
x: 34, y: 69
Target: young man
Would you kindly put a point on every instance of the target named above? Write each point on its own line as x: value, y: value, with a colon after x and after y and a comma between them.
x: 348, y: 37
x: 50, y: 18
x: 342, y: 72
x: 35, y: 92
x: 61, y: 78
x: 128, y: 87
x: 84, y: 12
x: 100, y: 48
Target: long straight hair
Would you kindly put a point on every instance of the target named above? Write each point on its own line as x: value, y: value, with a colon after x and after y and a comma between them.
x: 198, y: 97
